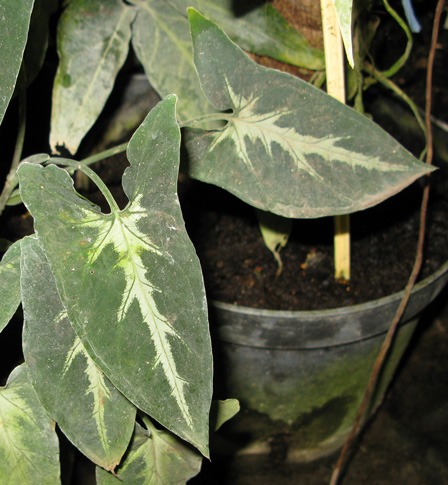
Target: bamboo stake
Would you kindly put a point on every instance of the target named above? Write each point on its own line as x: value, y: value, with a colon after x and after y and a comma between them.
x: 388, y: 341
x: 334, y: 66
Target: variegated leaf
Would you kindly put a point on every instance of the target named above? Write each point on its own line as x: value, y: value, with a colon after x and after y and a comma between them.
x: 156, y: 457
x: 29, y: 448
x: 93, y: 42
x: 162, y: 43
x: 9, y: 284
x: 131, y: 281
x: 288, y: 148
x: 258, y: 28
x: 14, y: 24
x: 90, y: 411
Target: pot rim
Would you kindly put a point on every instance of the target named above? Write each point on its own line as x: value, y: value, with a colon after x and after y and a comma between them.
x: 321, y: 329
x: 360, y: 307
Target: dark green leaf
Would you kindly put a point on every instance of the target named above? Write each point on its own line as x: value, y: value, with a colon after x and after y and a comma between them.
x: 93, y: 42
x: 14, y: 23
x: 131, y: 281
x: 9, y: 284
x: 29, y: 449
x: 90, y: 411
x: 156, y: 457
x: 259, y: 29
x: 288, y: 148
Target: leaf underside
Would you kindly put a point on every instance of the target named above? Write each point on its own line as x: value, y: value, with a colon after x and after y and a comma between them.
x: 344, y: 12
x: 90, y: 411
x: 131, y: 281
x: 287, y: 148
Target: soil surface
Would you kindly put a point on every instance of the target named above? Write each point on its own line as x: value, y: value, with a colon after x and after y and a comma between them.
x: 238, y: 267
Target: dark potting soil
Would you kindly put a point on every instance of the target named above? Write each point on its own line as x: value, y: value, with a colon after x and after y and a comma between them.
x: 239, y: 269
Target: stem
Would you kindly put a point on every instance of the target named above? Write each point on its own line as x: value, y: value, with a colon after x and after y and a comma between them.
x: 92, y: 176
x: 105, y: 154
x: 400, y: 62
x: 209, y: 117
x: 148, y: 423
x: 415, y: 270
x: 12, y: 179
x: 334, y: 64
x: 379, y: 76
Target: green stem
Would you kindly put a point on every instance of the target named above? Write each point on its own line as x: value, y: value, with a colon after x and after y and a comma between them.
x: 105, y: 154
x: 209, y: 117
x: 92, y: 176
x: 12, y: 180
x: 401, y: 61
x: 379, y: 76
x: 148, y: 423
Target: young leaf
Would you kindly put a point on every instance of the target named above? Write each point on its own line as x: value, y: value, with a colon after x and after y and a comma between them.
x: 222, y: 411
x: 344, y: 12
x: 29, y: 449
x: 131, y: 281
x: 260, y: 30
x: 156, y: 457
x: 14, y: 23
x: 9, y: 284
x: 288, y: 148
x: 90, y: 411
x: 93, y: 42
x: 162, y: 43
x: 275, y: 231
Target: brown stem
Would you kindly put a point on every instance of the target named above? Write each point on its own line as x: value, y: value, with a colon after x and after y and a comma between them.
x: 417, y: 264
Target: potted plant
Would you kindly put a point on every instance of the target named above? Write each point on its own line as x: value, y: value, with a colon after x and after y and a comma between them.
x: 114, y: 304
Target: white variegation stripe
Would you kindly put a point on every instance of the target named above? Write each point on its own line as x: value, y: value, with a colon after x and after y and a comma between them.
x: 97, y: 388
x: 122, y: 233
x: 266, y: 128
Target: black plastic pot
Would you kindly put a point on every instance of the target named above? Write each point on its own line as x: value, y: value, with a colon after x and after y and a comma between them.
x: 300, y: 376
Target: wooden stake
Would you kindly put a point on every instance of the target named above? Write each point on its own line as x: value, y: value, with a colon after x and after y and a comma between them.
x: 334, y: 66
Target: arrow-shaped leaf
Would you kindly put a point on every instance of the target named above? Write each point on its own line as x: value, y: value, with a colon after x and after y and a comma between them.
x: 9, y: 284
x: 14, y: 23
x: 288, y: 148
x: 258, y: 28
x: 131, y: 281
x: 29, y: 449
x: 93, y: 42
x: 156, y: 457
x: 90, y: 411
